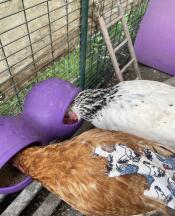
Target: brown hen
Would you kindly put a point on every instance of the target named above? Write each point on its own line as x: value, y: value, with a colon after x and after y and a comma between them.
x: 72, y: 171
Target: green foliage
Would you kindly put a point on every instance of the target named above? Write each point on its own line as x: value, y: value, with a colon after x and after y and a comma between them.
x: 65, y: 68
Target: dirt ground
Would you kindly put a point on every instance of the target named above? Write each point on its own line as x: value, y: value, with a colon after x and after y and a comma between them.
x: 146, y: 74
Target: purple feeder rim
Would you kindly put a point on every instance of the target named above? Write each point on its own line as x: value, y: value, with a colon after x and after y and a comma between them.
x: 17, y: 187
x: 41, y: 122
x: 14, y: 136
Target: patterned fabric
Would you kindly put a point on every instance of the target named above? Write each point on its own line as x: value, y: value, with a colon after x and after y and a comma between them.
x: 159, y: 170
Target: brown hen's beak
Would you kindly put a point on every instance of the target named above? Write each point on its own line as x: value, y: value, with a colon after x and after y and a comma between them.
x: 15, y: 163
x: 18, y: 167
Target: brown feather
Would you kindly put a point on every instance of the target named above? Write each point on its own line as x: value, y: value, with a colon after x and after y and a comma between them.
x: 73, y: 172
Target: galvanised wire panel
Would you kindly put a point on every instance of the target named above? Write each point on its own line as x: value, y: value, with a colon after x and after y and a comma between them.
x: 99, y: 67
x: 41, y: 39
x: 38, y: 39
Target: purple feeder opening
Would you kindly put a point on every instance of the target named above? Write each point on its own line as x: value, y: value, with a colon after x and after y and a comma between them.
x: 42, y: 121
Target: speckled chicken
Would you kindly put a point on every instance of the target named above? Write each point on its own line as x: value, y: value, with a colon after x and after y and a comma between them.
x: 77, y: 174
x: 141, y: 107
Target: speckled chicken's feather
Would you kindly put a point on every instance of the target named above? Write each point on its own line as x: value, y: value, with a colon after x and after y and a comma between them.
x: 141, y: 107
x: 72, y: 171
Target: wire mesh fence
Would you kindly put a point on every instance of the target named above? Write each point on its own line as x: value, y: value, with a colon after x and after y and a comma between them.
x: 41, y: 39
x: 99, y: 67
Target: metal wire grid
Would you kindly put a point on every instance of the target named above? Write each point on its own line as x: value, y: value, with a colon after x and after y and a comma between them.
x: 3, y: 1
x: 99, y: 67
x: 59, y: 54
x: 26, y: 65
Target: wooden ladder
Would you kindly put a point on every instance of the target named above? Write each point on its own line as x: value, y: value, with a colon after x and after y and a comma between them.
x: 112, y: 50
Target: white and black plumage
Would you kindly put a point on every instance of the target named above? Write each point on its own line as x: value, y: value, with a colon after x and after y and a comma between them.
x: 141, y: 107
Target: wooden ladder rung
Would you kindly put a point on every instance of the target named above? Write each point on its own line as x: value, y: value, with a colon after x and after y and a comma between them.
x: 48, y: 206
x: 22, y: 200
x: 120, y: 45
x: 112, y: 51
x: 127, y: 65
x: 114, y: 21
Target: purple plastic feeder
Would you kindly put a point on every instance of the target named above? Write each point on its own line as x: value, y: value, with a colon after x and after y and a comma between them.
x: 41, y: 121
x: 155, y: 41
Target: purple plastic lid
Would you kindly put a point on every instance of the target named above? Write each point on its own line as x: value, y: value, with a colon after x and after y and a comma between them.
x: 41, y: 121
